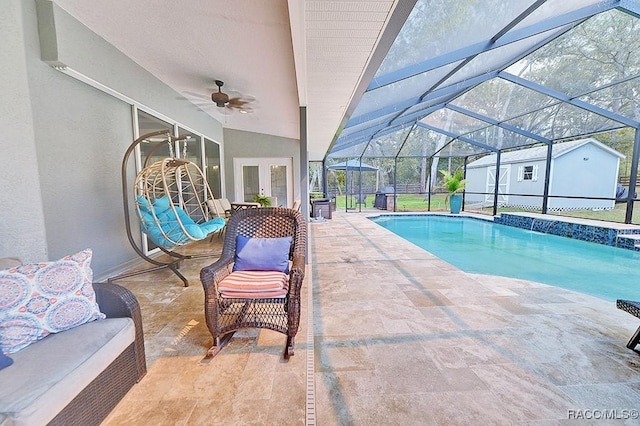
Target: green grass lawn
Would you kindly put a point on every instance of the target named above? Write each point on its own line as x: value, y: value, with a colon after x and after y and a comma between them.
x: 418, y: 203
x: 406, y: 202
x: 617, y: 214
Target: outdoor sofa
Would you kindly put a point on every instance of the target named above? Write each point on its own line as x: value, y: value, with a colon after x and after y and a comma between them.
x: 77, y: 376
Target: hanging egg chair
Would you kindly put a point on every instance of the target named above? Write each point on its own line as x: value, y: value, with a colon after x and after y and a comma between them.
x: 171, y: 199
x: 170, y: 203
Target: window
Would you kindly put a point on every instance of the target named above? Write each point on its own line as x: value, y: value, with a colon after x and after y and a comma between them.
x: 212, y: 167
x: 528, y: 173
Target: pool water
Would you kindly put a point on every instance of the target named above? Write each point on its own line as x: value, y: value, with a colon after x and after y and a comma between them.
x: 483, y: 247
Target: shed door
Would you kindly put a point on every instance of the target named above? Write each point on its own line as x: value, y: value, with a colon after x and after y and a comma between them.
x: 503, y: 185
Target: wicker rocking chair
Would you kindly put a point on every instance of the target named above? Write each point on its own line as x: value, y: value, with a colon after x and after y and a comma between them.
x: 254, y: 297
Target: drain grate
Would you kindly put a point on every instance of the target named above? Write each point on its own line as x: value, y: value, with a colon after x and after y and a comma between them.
x: 311, y: 385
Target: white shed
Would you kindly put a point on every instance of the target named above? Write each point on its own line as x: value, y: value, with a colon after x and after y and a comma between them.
x: 580, y: 168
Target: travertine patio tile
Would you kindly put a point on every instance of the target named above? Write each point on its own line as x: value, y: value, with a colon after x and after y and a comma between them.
x: 399, y: 337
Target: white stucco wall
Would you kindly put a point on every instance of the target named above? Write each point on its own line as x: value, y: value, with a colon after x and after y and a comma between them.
x: 22, y: 229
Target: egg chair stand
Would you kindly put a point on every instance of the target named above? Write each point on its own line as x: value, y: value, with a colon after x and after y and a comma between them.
x: 170, y: 202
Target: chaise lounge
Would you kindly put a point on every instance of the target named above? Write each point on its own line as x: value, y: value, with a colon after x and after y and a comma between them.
x: 634, y: 309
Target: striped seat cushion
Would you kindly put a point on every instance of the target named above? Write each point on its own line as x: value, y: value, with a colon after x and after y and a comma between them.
x: 254, y: 284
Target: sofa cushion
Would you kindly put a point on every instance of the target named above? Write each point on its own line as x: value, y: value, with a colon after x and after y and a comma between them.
x: 47, y: 375
x: 42, y: 298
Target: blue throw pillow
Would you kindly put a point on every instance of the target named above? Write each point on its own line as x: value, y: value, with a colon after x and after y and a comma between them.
x: 262, y: 254
x: 5, y: 361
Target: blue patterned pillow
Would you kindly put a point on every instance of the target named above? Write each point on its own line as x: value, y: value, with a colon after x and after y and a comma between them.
x: 43, y: 298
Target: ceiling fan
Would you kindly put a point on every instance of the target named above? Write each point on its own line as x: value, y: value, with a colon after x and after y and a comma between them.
x: 238, y: 103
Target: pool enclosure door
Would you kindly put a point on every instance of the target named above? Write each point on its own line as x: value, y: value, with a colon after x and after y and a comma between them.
x: 272, y: 177
x: 503, y: 185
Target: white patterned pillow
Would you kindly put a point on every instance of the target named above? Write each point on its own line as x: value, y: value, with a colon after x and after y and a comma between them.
x: 42, y: 298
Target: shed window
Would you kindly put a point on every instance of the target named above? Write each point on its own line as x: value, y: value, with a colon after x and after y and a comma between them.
x: 528, y: 173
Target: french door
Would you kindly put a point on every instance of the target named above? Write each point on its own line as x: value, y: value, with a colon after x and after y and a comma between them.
x: 272, y: 177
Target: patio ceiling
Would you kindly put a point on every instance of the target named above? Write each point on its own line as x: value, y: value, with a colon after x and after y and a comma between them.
x: 285, y: 54
x: 477, y: 77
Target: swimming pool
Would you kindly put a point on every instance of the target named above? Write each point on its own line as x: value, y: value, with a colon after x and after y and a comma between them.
x: 483, y: 247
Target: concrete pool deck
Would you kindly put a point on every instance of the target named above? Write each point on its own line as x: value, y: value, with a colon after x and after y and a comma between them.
x: 396, y: 336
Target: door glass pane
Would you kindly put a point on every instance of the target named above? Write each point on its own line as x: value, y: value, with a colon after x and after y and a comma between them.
x: 212, y: 168
x: 279, y: 185
x: 250, y: 182
x: 193, y: 194
x: 155, y: 148
x: 193, y: 150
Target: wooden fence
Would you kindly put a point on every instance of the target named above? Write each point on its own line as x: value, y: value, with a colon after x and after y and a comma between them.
x: 406, y: 188
x: 624, y: 180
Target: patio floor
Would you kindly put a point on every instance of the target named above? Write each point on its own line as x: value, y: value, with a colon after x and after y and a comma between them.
x: 398, y: 337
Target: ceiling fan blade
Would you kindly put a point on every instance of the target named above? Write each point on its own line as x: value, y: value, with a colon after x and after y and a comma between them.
x: 238, y: 102
x: 243, y: 98
x: 241, y: 108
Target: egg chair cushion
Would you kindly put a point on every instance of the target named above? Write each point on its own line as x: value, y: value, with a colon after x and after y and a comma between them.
x: 164, y: 229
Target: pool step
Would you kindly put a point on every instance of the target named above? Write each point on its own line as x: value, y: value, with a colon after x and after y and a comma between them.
x: 629, y: 240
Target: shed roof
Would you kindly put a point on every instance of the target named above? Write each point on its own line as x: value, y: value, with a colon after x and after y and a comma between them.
x: 540, y: 153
